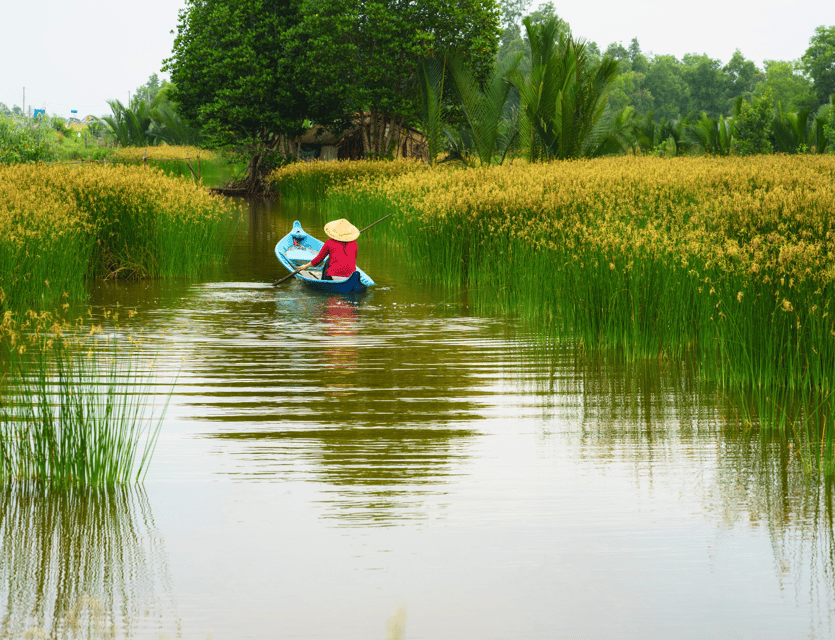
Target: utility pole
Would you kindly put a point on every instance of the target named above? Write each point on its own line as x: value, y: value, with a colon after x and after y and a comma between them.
x: 24, y: 102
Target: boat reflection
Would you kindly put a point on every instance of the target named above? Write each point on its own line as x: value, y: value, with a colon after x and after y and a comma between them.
x: 81, y: 563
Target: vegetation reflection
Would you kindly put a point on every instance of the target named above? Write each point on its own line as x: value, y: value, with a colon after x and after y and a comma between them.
x: 81, y: 563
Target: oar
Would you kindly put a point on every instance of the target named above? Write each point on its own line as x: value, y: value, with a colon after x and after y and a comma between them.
x: 287, y: 277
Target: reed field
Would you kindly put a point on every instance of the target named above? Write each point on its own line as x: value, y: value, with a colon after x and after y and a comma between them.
x: 73, y: 410
x: 203, y: 166
x: 61, y: 226
x: 730, y: 259
x: 311, y: 180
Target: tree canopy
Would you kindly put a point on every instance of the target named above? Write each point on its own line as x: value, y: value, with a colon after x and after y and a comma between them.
x: 365, y: 56
x: 233, y: 67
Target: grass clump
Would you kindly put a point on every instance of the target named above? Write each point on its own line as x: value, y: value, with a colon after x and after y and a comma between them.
x: 72, y: 408
x: 61, y: 226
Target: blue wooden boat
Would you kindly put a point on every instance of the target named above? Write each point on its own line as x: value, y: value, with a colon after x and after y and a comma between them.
x: 298, y: 247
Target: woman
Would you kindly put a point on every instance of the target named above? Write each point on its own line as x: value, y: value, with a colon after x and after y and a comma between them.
x: 342, y: 249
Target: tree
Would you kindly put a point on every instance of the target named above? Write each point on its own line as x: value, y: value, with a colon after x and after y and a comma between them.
x: 364, y: 55
x: 634, y: 50
x: 148, y: 91
x: 512, y: 12
x: 819, y: 62
x: 483, y: 105
x: 234, y: 72
x: 787, y: 85
x: 742, y: 76
x: 753, y: 125
x: 669, y: 91
x: 706, y: 83
x: 564, y: 97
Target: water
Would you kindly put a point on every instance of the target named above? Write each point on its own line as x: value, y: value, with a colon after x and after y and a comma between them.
x: 326, y: 462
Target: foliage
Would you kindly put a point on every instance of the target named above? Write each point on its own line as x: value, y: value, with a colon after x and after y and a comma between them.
x: 70, y: 414
x: 130, y: 127
x: 483, y: 105
x: 564, y: 96
x: 753, y: 125
x: 819, y: 62
x: 431, y: 76
x: 787, y: 84
x: 791, y: 131
x: 664, y: 81
x: 713, y: 136
x: 234, y: 67
x: 27, y: 140
x: 363, y: 57
x: 150, y: 123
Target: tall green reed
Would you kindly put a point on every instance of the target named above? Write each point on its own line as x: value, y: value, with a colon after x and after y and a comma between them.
x: 74, y: 409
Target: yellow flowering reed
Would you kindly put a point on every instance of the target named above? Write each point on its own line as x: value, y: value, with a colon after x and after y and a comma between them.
x: 61, y: 225
x: 163, y: 152
x: 734, y: 257
x: 311, y: 180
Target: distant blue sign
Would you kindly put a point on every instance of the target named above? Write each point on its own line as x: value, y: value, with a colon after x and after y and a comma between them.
x: 73, y: 110
x: 39, y: 112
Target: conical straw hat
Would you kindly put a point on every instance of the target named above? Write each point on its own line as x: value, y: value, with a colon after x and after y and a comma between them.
x: 342, y: 230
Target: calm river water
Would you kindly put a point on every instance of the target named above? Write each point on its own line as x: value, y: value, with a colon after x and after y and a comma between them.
x: 334, y: 467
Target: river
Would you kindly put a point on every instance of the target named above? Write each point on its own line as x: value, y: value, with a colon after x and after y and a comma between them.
x: 396, y: 465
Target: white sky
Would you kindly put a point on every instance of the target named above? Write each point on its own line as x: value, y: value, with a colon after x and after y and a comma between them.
x: 77, y: 55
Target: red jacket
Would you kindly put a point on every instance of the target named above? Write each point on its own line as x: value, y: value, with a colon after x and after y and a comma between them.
x: 343, y: 255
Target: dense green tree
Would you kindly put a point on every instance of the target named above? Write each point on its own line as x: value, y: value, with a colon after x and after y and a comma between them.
x: 634, y: 50
x: 665, y: 83
x: 787, y: 85
x: 706, y: 83
x: 616, y: 51
x: 819, y: 62
x: 512, y: 13
x: 742, y: 77
x: 148, y: 91
x: 753, y: 125
x: 364, y: 56
x: 628, y: 90
x: 234, y: 72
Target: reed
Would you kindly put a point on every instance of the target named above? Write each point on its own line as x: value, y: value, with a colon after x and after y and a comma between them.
x: 72, y: 407
x: 61, y: 226
x: 201, y: 166
x: 311, y: 180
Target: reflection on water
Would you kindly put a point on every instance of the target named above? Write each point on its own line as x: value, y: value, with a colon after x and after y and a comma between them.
x: 73, y: 562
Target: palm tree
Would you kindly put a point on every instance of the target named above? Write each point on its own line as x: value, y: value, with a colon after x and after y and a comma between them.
x: 564, y: 94
x: 483, y: 105
x: 431, y: 76
x: 712, y: 135
x: 130, y: 126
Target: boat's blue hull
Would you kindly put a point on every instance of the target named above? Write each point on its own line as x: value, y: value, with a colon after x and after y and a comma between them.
x: 298, y: 247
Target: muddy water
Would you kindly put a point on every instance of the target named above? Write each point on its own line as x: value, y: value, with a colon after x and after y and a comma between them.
x: 330, y: 467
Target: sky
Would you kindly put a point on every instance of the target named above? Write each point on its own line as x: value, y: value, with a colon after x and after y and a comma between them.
x: 79, y: 54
